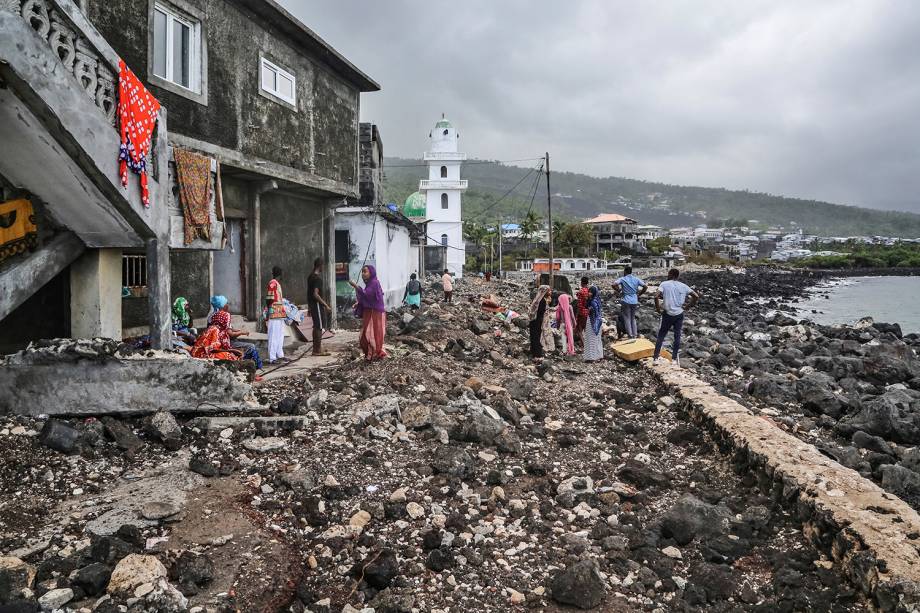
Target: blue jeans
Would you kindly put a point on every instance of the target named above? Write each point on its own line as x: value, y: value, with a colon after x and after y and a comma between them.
x: 668, y: 322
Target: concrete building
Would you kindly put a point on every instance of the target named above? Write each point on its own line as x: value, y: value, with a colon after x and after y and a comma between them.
x: 613, y: 232
x: 442, y: 191
x: 277, y: 116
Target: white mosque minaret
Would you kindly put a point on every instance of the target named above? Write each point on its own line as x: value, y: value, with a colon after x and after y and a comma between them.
x: 442, y: 192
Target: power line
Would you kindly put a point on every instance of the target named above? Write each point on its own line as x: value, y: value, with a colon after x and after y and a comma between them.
x: 473, y: 163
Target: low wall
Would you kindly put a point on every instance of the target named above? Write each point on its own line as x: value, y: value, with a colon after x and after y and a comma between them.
x: 90, y: 377
x: 871, y: 534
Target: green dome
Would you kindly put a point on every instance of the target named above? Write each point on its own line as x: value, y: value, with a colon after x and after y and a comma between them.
x: 443, y: 124
x: 415, y: 206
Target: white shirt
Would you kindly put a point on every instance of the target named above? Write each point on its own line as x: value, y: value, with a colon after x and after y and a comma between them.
x: 674, y: 294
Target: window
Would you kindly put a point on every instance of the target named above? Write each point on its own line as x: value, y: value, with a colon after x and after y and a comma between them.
x: 278, y: 82
x: 134, y: 274
x: 443, y: 172
x: 443, y: 201
x: 444, y: 240
x: 176, y: 48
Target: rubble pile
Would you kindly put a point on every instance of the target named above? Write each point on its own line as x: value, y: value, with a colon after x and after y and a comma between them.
x: 454, y: 475
x: 852, y: 390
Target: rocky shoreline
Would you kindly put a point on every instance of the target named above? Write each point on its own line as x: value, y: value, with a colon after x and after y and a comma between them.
x: 455, y: 475
x: 853, y: 391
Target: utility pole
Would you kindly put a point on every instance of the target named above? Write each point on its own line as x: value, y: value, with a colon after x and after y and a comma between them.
x: 500, y: 248
x: 549, y: 221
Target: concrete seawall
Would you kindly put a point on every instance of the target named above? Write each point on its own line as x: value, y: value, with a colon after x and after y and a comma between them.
x: 873, y: 535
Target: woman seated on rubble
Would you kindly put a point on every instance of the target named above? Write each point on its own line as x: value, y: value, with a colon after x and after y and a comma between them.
x: 218, y: 341
x: 594, y: 347
x: 182, y: 320
x: 371, y: 308
x: 537, y: 313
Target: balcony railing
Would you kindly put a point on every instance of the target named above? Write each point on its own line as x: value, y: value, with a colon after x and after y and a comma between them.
x: 69, y: 34
x: 444, y: 156
x: 443, y: 184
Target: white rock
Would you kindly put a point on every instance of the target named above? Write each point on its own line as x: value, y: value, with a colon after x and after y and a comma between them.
x: 262, y: 444
x: 672, y: 552
x: 415, y: 510
x: 133, y: 570
x: 398, y: 495
x: 55, y: 599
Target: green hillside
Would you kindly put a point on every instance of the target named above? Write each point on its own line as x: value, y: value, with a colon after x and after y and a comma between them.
x: 581, y: 196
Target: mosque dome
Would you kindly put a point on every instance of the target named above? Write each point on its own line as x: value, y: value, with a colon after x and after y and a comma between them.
x: 443, y: 123
x: 415, y: 206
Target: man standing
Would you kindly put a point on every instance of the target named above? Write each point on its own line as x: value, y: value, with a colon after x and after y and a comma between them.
x: 448, y: 284
x: 630, y: 287
x: 317, y: 306
x: 581, y: 312
x: 674, y: 294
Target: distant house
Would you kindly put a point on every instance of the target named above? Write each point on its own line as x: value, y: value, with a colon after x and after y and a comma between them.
x: 561, y: 264
x: 613, y: 232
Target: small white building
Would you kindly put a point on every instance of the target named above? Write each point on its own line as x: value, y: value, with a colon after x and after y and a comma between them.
x: 442, y: 191
x: 379, y: 237
x: 561, y: 264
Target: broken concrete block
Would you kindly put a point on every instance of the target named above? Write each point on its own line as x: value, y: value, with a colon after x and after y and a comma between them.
x: 163, y: 427
x: 637, y: 349
x: 60, y: 436
x: 58, y: 379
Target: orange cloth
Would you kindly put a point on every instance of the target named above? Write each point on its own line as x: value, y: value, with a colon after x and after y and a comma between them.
x: 373, y: 331
x: 274, y: 298
x: 212, y: 344
x: 18, y: 231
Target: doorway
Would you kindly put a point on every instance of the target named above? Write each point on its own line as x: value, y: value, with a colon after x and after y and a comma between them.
x: 229, y: 269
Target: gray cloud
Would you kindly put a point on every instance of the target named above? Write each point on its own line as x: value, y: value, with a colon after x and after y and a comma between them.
x: 809, y: 98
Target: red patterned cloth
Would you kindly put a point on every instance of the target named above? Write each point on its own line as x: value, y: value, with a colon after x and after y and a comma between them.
x: 137, y: 113
x: 221, y: 321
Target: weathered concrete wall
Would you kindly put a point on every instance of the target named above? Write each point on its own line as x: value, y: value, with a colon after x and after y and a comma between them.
x: 872, y: 534
x: 318, y: 137
x: 89, y: 378
x: 292, y: 237
x: 190, y: 278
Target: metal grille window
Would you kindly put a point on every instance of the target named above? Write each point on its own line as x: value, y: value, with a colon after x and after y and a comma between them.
x: 134, y: 271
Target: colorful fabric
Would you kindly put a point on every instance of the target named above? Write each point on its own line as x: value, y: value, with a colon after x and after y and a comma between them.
x: 595, y: 310
x: 581, y: 304
x: 193, y: 173
x: 373, y: 331
x: 211, y: 345
x: 566, y: 317
x: 218, y: 196
x: 594, y: 346
x: 180, y: 316
x: 370, y: 297
x: 542, y: 291
x: 18, y: 231
x: 137, y: 114
x: 221, y: 321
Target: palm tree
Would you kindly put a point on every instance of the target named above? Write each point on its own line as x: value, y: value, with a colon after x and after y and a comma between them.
x: 477, y: 234
x: 530, y: 225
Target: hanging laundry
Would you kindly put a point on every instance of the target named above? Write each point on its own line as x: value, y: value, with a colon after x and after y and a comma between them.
x: 193, y: 173
x: 18, y: 231
x: 137, y: 113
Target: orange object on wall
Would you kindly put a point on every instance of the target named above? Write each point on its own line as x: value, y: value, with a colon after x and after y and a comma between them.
x: 18, y: 231
x: 544, y: 266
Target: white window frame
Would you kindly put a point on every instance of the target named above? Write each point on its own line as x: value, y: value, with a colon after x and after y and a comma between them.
x: 194, y: 59
x: 265, y: 63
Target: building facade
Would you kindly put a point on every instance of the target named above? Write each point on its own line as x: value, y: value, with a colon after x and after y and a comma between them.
x: 443, y: 191
x: 278, y: 115
x: 613, y: 232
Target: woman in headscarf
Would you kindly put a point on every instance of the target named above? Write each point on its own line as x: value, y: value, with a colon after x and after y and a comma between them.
x: 275, y: 315
x: 218, y: 341
x: 594, y: 347
x: 373, y: 313
x: 565, y: 318
x: 537, y: 314
x: 183, y: 333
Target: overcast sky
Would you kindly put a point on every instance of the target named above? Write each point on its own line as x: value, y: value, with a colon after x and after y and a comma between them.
x: 809, y: 98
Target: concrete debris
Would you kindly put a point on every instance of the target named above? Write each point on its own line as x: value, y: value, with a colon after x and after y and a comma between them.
x: 455, y: 475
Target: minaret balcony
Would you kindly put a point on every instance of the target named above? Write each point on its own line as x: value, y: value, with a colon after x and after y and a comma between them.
x: 444, y: 156
x: 436, y: 184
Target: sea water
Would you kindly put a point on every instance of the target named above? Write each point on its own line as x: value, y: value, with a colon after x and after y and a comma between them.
x: 893, y: 300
